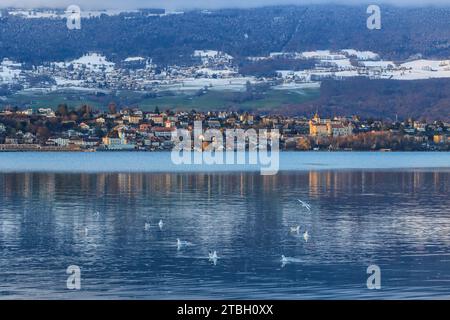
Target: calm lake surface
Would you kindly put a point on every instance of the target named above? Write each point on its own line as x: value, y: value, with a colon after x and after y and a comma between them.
x: 386, y: 209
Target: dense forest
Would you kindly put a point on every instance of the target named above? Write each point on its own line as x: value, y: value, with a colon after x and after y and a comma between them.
x: 420, y: 99
x: 240, y: 32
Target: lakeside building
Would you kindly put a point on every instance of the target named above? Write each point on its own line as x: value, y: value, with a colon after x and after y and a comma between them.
x: 326, y: 127
x: 117, y: 141
x: 134, y: 129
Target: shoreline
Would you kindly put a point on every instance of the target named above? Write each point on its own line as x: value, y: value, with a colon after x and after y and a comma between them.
x: 168, y: 151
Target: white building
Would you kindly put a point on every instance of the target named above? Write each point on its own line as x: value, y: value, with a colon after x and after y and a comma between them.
x: 341, y: 130
x: 60, y: 142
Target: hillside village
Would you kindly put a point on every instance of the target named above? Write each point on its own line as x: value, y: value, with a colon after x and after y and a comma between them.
x: 210, y: 69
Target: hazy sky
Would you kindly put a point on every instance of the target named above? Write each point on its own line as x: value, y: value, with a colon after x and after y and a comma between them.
x: 189, y: 4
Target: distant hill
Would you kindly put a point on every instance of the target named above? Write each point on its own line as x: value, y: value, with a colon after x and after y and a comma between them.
x: 240, y: 32
x: 420, y: 99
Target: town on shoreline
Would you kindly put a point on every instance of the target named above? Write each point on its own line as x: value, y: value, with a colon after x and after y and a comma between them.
x: 131, y: 129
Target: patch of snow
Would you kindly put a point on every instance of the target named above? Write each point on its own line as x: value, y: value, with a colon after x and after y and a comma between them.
x: 211, y: 72
x: 9, y: 71
x: 61, y: 82
x: 92, y: 61
x: 322, y: 55
x: 211, y: 54
x: 294, y: 86
x: 52, y: 14
x: 133, y: 59
x: 342, y: 63
x: 190, y: 84
x: 8, y: 63
x: 361, y: 55
x: 423, y: 69
x: 33, y: 14
x: 378, y: 64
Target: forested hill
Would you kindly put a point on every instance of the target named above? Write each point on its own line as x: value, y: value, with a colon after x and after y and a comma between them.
x: 239, y: 32
x: 419, y: 99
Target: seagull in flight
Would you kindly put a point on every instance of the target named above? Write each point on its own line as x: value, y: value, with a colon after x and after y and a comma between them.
x: 305, y: 205
x: 295, y: 229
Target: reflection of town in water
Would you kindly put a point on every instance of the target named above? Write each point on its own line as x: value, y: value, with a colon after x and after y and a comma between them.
x: 396, y: 219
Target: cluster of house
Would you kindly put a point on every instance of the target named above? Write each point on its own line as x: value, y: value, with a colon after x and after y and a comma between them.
x: 93, y: 70
x: 133, y: 129
x: 213, y: 68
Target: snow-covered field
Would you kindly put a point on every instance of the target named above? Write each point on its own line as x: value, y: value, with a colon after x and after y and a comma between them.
x: 216, y: 70
x: 297, y: 86
x: 85, y: 14
x: 61, y: 82
x: 338, y: 65
x: 94, y: 62
x: 191, y: 84
x: 9, y: 71
x: 423, y: 69
x: 134, y: 59
x: 361, y: 55
x: 60, y: 14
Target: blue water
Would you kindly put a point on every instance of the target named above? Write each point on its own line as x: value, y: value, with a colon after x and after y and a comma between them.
x: 161, y: 162
x: 391, y: 210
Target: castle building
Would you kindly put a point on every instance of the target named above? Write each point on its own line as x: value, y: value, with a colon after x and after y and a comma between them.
x: 326, y: 127
x: 319, y: 127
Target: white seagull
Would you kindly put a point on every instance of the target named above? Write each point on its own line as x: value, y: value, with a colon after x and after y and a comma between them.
x: 181, y: 244
x: 147, y: 226
x: 295, y: 229
x: 213, y: 255
x: 304, y: 205
x: 160, y: 224
x: 285, y: 261
x: 306, y: 236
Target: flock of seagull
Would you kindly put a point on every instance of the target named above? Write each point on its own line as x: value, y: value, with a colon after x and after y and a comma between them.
x: 285, y: 260
x: 212, y: 255
x: 297, y: 228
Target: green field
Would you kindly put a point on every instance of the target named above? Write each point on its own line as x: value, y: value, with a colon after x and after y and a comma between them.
x: 50, y: 100
x: 211, y: 100
x: 220, y: 100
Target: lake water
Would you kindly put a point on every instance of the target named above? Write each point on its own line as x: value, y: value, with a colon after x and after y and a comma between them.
x: 386, y: 209
x: 161, y: 162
